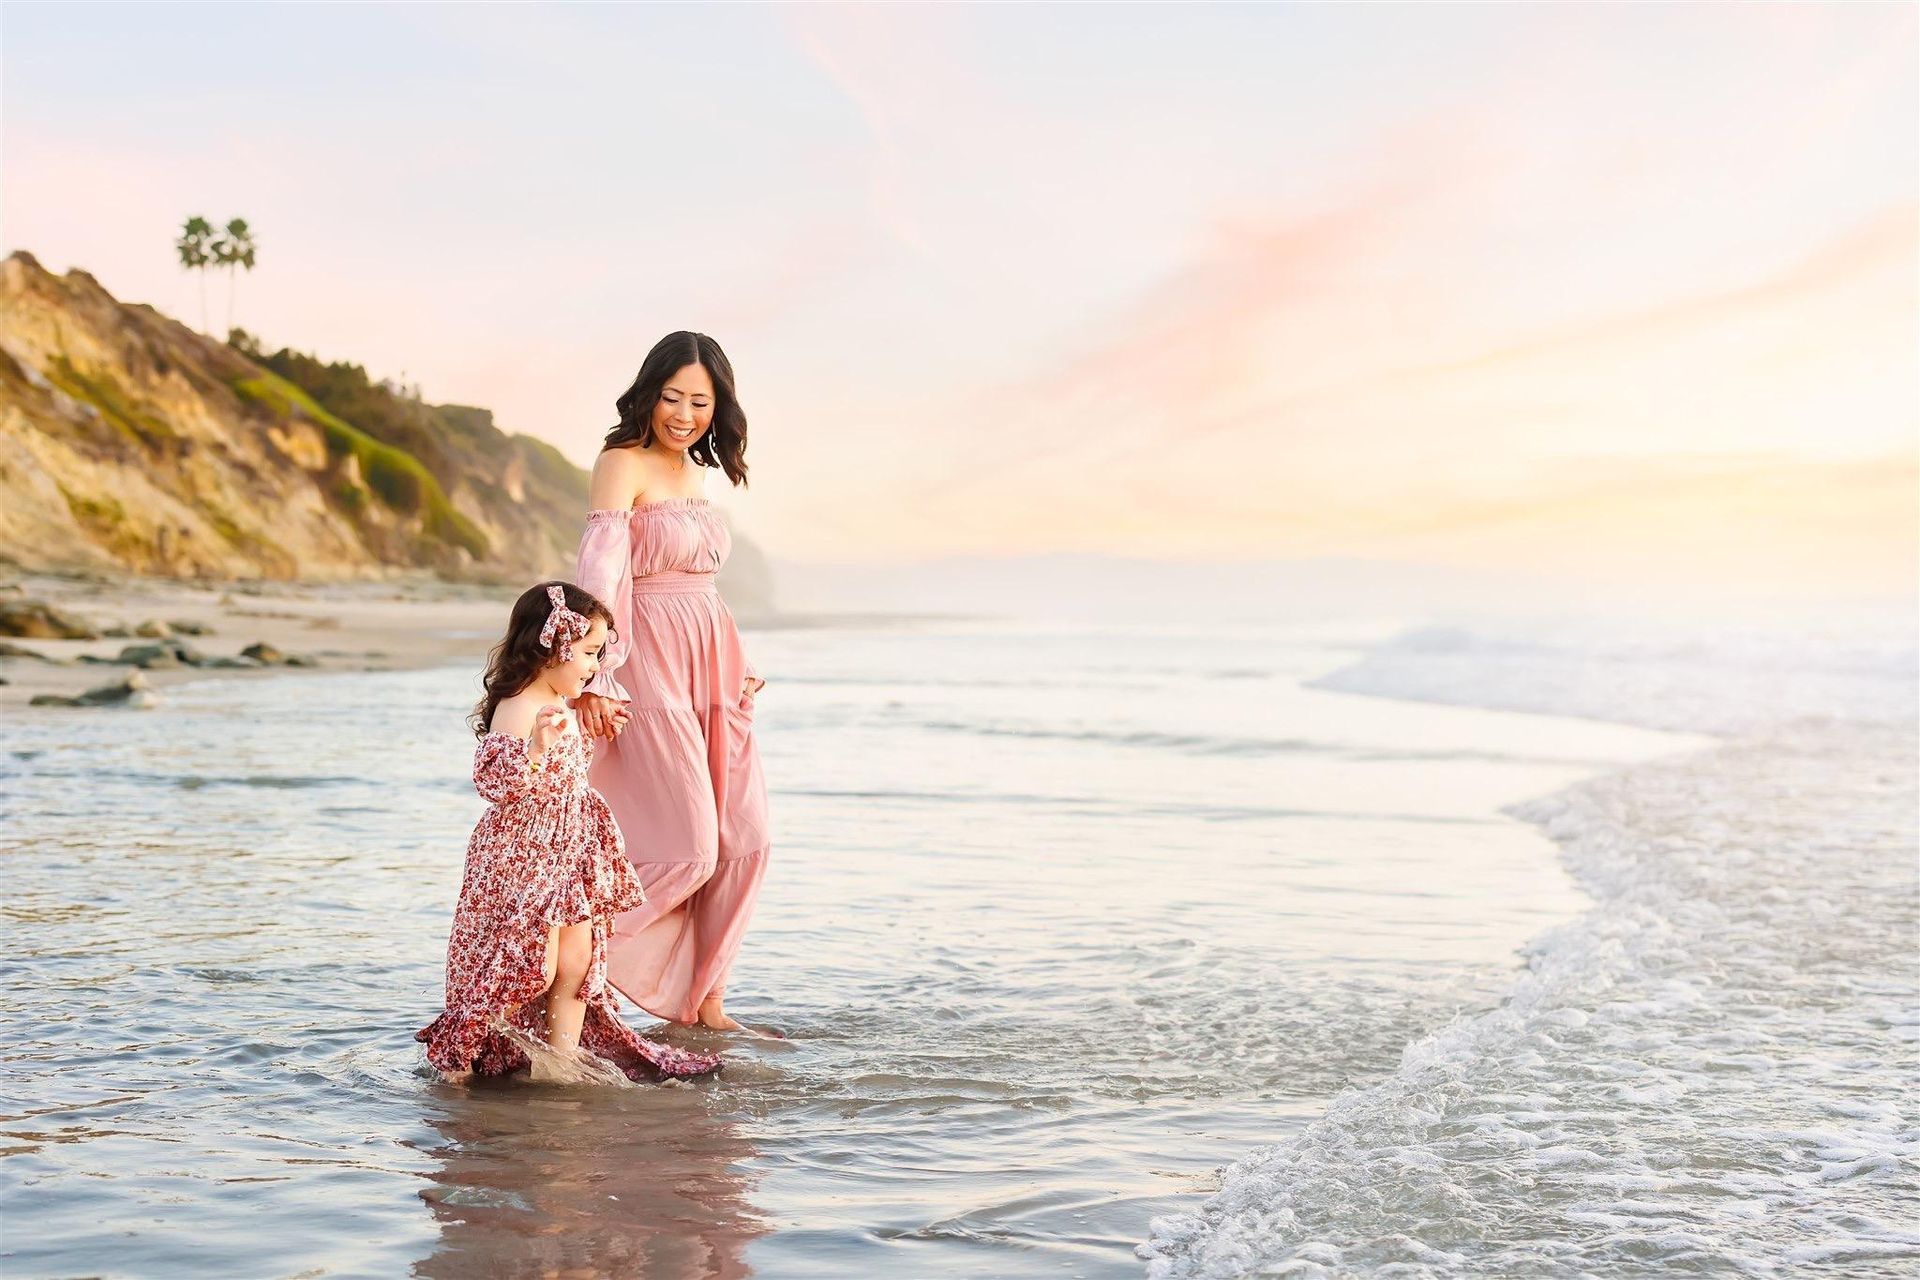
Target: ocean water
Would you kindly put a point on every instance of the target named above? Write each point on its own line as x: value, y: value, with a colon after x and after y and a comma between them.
x: 1711, y: 1071
x: 1184, y: 950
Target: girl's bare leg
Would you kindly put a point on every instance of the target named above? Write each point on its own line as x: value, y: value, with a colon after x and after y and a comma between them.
x: 553, y: 958
x: 571, y: 947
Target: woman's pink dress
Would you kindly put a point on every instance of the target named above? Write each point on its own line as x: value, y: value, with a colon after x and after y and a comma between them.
x: 683, y: 777
x: 545, y: 853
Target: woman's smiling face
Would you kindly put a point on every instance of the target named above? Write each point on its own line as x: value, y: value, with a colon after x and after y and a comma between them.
x: 685, y: 408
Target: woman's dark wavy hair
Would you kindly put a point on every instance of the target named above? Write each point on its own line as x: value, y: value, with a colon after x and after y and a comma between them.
x: 725, y: 443
x: 518, y: 658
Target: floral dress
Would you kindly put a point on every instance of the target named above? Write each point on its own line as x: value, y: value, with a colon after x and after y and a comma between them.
x: 545, y: 853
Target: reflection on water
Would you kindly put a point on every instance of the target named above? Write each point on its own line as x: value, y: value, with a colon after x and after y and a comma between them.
x: 1057, y: 921
x: 534, y: 1180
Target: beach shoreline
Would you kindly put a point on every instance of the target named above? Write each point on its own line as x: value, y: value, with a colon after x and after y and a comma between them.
x: 324, y: 627
x: 397, y: 624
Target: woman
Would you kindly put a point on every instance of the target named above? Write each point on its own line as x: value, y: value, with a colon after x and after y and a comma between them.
x: 675, y: 692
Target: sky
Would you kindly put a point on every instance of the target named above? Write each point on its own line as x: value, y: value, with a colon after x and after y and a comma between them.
x: 1627, y: 290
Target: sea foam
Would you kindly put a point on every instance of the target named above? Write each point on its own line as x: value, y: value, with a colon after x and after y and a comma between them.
x: 1712, y: 1069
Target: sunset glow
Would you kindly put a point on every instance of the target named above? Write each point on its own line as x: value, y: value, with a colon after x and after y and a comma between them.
x: 1629, y: 289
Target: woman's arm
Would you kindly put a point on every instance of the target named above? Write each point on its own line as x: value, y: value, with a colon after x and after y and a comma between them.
x: 605, y: 567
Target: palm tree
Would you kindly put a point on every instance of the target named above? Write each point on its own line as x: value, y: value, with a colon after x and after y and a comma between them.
x: 234, y: 248
x: 195, y: 254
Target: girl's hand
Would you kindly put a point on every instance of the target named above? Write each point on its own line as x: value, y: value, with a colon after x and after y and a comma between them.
x: 600, y: 717
x: 548, y: 725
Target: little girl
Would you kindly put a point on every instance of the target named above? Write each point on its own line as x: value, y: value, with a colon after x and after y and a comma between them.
x: 546, y: 867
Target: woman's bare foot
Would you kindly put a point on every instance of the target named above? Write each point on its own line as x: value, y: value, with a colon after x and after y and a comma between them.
x: 713, y: 1016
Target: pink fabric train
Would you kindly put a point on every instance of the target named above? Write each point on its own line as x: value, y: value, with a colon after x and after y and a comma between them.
x: 683, y: 778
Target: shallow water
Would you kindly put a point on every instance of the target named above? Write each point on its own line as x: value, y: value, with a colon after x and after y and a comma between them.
x: 1058, y: 922
x: 1713, y: 1071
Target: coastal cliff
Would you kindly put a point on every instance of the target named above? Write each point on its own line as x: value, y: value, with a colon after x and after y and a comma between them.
x: 131, y: 443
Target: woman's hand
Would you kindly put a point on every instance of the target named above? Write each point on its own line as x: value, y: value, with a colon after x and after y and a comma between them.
x: 600, y: 717
x: 548, y: 725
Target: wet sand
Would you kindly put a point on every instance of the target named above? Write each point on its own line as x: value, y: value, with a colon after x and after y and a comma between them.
x: 397, y: 625
x: 383, y: 626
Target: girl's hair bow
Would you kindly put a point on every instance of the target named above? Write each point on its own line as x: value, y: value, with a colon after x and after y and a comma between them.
x: 563, y: 623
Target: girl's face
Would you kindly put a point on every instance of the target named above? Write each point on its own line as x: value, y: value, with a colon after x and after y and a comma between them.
x: 569, y: 678
x: 685, y: 408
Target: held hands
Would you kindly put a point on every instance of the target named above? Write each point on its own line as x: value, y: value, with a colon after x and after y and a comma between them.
x: 548, y: 725
x: 600, y: 717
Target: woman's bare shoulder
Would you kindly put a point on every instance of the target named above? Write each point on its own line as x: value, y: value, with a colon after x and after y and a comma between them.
x: 619, y: 477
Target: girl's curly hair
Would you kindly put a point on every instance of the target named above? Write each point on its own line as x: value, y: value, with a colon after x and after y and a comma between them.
x: 519, y: 657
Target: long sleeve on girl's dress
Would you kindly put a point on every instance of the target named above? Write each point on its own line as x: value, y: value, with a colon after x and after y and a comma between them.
x: 501, y: 773
x: 606, y: 569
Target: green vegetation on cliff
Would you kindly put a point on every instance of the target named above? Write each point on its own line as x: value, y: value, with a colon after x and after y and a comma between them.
x: 403, y: 443
x: 395, y: 475
x: 99, y: 390
x: 128, y: 441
